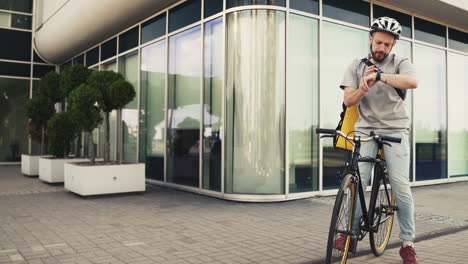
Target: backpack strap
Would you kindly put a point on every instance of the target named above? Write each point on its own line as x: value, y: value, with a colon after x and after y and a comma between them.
x: 369, y: 63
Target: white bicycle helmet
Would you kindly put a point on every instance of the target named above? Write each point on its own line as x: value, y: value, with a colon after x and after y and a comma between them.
x: 386, y: 24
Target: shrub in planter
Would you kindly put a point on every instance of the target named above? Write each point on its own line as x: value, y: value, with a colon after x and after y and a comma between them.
x: 61, y: 130
x: 72, y: 77
x: 83, y: 106
x: 115, y: 93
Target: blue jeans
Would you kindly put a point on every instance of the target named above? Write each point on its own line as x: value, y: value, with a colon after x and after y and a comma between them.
x: 398, y: 161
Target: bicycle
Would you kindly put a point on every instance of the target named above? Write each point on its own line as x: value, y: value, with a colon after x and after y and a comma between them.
x: 378, y: 220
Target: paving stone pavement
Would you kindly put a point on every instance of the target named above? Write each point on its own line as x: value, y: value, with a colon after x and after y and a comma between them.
x: 42, y: 223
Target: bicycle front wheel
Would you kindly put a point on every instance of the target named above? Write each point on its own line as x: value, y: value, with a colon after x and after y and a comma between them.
x: 381, y: 211
x: 339, y: 236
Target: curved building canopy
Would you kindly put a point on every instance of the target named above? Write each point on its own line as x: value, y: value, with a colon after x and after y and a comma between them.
x: 65, y: 28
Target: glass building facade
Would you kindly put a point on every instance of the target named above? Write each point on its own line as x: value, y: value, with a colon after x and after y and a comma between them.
x: 20, y: 69
x: 229, y: 94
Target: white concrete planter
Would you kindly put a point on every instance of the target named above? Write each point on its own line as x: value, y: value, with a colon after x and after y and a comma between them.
x: 51, y: 170
x: 30, y: 164
x: 104, y: 179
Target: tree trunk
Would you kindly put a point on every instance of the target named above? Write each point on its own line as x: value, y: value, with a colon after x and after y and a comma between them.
x: 107, y: 144
x: 42, y: 140
x: 91, y: 147
x: 120, y: 140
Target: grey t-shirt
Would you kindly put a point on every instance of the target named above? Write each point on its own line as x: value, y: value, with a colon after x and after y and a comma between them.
x: 381, y: 109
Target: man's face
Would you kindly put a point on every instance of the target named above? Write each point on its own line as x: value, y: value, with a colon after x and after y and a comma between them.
x: 381, y: 43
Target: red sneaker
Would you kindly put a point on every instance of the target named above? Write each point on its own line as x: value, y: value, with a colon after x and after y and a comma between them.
x: 340, y: 243
x: 408, y: 254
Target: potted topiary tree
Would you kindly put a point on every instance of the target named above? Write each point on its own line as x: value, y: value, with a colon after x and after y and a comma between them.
x: 71, y: 78
x: 107, y: 176
x: 39, y: 110
x: 63, y: 127
x: 83, y: 105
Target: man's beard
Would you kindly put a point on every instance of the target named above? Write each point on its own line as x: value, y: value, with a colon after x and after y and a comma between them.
x: 378, y: 56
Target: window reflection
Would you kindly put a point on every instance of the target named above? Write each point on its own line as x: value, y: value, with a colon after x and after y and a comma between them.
x: 457, y: 115
x: 310, y: 6
x: 255, y: 102
x: 153, y: 28
x: 213, y: 85
x: 352, y: 11
x: 458, y: 40
x: 128, y: 65
x: 184, y: 107
x: 429, y: 32
x: 430, y: 122
x: 302, y: 103
x: 14, y: 139
x: 152, y: 121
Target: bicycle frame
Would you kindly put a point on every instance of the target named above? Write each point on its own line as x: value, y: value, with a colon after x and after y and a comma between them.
x: 354, y: 169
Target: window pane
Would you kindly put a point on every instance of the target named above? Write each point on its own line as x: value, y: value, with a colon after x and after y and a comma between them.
x: 429, y: 32
x: 255, y: 102
x: 310, y: 6
x: 153, y: 28
x: 128, y: 65
x: 430, y: 114
x: 21, y: 21
x: 457, y: 115
x: 13, y: 136
x: 92, y: 56
x: 458, y: 40
x: 18, y: 46
x: 335, y: 59
x: 79, y: 60
x: 184, y: 107
x: 404, y: 19
x: 302, y: 103
x: 213, y: 7
x: 152, y: 119
x: 213, y: 98
x: 5, y: 19
x: 109, y: 49
x: 184, y: 14
x: 352, y: 11
x: 37, y: 58
x: 128, y: 40
x: 111, y: 66
x: 234, y: 3
x: 17, y: 5
x: 15, y: 69
x: 403, y: 49
x: 41, y: 70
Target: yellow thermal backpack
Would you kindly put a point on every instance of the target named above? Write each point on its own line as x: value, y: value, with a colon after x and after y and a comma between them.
x: 349, y: 117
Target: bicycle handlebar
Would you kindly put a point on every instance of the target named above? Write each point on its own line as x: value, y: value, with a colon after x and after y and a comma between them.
x: 372, y: 137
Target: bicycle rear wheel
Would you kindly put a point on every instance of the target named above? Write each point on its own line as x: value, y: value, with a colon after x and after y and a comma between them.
x: 381, y: 211
x: 339, y: 236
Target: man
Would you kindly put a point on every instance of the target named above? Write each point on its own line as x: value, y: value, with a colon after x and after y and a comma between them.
x: 381, y: 109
